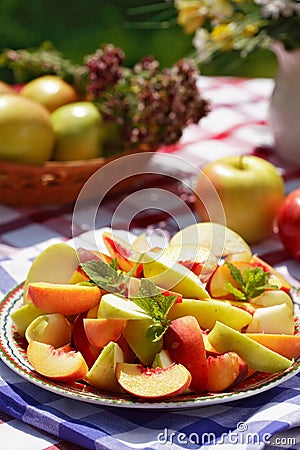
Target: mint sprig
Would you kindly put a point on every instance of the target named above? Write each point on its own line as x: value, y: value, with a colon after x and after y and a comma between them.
x: 106, y: 276
x: 157, y: 305
x: 251, y: 283
x: 149, y: 297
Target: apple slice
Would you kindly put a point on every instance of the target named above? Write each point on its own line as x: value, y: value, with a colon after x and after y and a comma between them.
x: 224, y: 371
x: 56, y: 264
x: 273, y: 297
x: 199, y: 260
x: 170, y: 275
x: 276, y: 319
x: 221, y: 240
x: 135, y: 335
x: 56, y: 364
x: 153, y: 383
x: 162, y: 359
x: 24, y: 315
x: 185, y: 344
x: 102, y: 373
x: 53, y: 329
x: 101, y: 331
x: 258, y: 357
x: 117, y: 307
x: 210, y: 311
x: 66, y: 299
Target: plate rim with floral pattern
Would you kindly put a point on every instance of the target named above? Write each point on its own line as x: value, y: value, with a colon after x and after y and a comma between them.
x: 13, y: 354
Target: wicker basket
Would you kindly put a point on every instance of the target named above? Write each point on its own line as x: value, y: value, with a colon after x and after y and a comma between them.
x: 47, y: 184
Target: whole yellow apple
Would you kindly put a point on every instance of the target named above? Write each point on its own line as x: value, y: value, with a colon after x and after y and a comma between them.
x: 26, y: 132
x: 51, y: 91
x: 78, y: 130
x: 251, y: 191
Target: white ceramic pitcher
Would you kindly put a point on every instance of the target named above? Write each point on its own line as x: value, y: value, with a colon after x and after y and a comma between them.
x: 284, y: 109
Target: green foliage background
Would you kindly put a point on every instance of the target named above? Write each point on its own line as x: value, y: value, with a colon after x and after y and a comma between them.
x: 77, y: 28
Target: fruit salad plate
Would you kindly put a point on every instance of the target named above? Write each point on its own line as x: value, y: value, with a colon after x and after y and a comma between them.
x: 13, y: 354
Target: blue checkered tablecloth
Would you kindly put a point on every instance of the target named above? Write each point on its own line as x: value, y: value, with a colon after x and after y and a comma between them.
x: 33, y: 418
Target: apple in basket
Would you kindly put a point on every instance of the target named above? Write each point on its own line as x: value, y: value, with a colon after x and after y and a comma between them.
x: 26, y: 130
x: 78, y: 130
x: 50, y: 90
x: 250, y: 189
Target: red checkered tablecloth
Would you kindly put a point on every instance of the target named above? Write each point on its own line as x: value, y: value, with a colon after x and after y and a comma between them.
x: 237, y: 124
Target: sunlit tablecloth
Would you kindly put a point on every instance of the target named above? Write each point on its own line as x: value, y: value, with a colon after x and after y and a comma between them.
x: 35, y: 419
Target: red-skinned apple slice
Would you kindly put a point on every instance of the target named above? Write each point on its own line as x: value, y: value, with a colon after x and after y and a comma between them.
x: 224, y: 371
x: 101, y: 331
x: 155, y: 383
x: 185, y: 344
x: 66, y: 299
x: 56, y: 364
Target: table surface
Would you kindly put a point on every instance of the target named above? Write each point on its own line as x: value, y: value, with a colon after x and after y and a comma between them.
x: 237, y: 124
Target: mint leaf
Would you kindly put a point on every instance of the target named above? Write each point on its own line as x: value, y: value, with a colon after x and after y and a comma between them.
x: 156, y: 331
x: 253, y: 282
x: 157, y: 305
x: 105, y: 276
x: 239, y: 295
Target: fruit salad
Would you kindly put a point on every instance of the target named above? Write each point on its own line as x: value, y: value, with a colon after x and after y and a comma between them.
x: 155, y: 322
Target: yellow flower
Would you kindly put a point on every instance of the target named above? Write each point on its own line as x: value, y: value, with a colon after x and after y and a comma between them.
x: 223, y: 35
x: 191, y: 14
x: 251, y: 29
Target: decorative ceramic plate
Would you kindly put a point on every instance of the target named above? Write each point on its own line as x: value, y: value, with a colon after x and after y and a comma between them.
x: 13, y: 353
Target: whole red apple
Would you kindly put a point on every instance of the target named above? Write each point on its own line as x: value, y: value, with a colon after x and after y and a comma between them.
x: 250, y: 189
x: 288, y: 221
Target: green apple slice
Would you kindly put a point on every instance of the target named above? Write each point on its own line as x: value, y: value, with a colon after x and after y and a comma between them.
x: 135, y: 335
x: 221, y: 240
x: 257, y: 356
x: 277, y: 319
x: 162, y: 359
x: 24, y: 315
x: 56, y: 264
x: 170, y: 275
x: 209, y: 312
x: 118, y: 307
x: 102, y: 373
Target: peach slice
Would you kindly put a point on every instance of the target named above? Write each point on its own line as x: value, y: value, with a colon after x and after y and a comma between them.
x: 284, y: 344
x: 127, y: 258
x: 221, y: 276
x: 55, y: 264
x: 80, y: 340
x: 85, y: 255
x: 153, y: 383
x: 56, y: 364
x: 66, y: 299
x: 185, y: 344
x: 101, y: 331
x: 224, y: 371
x: 276, y: 277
